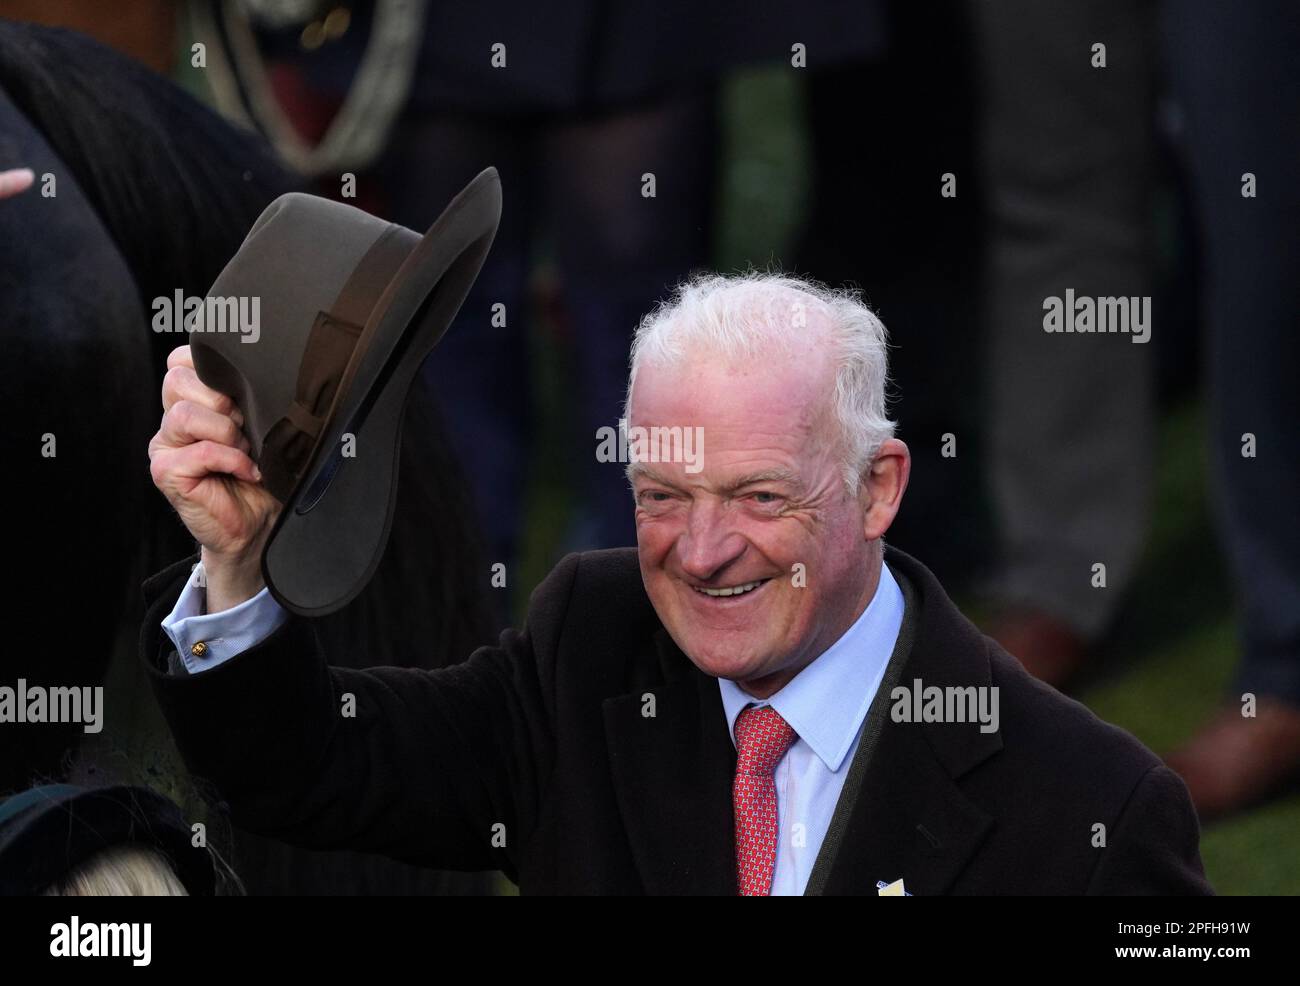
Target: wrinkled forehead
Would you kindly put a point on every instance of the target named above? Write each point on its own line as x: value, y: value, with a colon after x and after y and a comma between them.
x: 735, y: 420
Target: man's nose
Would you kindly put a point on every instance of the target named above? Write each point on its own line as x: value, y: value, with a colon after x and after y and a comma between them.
x: 709, y: 542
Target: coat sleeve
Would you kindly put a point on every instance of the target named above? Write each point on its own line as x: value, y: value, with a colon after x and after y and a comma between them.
x: 441, y: 768
x: 1153, y: 846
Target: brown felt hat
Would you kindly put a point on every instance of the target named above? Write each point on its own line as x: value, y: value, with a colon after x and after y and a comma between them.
x: 348, y: 306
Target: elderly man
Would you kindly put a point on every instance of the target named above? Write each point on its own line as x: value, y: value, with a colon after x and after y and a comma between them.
x: 761, y: 698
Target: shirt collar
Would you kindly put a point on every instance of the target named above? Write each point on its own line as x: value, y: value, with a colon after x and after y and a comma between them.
x: 828, y: 700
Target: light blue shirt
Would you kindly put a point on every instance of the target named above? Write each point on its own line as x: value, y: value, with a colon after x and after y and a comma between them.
x: 826, y: 703
x: 224, y: 634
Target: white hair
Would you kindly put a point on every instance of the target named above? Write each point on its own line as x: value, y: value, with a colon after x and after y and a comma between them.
x: 751, y: 314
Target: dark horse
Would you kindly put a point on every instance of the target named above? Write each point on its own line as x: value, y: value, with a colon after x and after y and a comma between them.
x: 140, y: 191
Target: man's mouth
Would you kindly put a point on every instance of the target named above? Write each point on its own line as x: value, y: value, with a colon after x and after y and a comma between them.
x: 730, y: 590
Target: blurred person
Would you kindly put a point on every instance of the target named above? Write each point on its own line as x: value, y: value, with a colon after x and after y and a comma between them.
x: 1069, y: 162
x: 715, y: 711
x: 1067, y: 158
x: 1236, y: 78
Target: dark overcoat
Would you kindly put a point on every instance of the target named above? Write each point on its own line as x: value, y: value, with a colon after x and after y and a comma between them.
x: 536, y: 756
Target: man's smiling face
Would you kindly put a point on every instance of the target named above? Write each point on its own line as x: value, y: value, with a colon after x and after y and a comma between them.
x: 721, y: 548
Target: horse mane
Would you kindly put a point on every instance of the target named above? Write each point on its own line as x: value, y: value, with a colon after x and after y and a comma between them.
x: 176, y: 186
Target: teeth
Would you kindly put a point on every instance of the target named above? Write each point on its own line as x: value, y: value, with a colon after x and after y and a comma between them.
x: 734, y: 590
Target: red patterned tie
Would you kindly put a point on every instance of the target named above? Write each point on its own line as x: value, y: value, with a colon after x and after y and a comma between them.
x: 762, y: 737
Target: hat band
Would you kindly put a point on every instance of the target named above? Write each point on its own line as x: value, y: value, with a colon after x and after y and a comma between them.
x: 331, y: 348
x: 289, y: 443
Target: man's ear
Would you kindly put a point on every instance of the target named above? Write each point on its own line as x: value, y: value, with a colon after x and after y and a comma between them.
x: 882, y: 487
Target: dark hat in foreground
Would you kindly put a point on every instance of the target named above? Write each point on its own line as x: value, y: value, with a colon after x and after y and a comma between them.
x: 47, y: 832
x: 347, y: 308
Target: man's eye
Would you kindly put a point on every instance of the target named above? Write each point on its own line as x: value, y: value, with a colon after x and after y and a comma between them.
x: 765, y: 497
x: 655, y: 496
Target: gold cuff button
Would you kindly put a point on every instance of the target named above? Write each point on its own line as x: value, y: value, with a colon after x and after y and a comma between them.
x: 199, y: 649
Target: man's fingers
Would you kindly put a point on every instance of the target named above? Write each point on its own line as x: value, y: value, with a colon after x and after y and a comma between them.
x: 180, y: 356
x: 15, y: 180
x: 187, y: 422
x: 200, y: 460
x: 181, y: 383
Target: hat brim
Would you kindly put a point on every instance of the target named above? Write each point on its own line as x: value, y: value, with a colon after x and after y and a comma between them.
x: 331, y: 533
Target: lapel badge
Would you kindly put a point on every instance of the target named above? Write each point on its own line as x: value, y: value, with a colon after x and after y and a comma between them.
x: 894, y: 889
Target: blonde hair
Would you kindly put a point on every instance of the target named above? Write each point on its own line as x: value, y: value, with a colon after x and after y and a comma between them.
x: 122, y: 871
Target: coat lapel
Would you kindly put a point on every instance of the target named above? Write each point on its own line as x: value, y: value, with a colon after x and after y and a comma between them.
x: 672, y: 773
x: 905, y: 815
x: 909, y: 821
